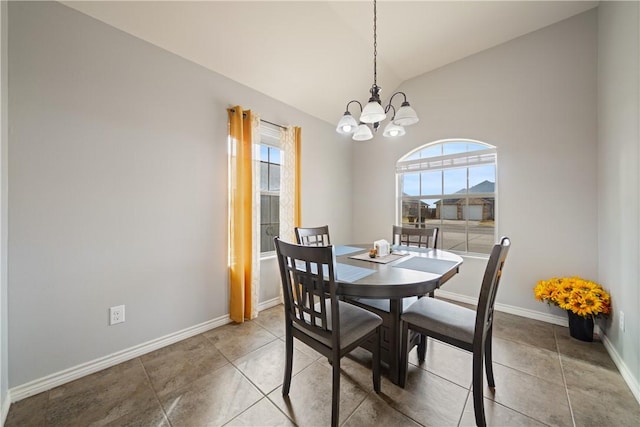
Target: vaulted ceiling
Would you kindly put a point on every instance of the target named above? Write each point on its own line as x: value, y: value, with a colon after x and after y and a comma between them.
x: 317, y: 55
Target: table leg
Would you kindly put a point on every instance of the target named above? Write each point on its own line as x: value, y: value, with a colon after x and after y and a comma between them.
x: 395, y: 310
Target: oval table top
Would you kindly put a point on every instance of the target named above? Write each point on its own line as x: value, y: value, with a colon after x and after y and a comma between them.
x: 426, y: 270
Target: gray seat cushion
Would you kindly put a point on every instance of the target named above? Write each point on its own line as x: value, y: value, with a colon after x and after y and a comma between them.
x: 355, y: 323
x: 443, y: 318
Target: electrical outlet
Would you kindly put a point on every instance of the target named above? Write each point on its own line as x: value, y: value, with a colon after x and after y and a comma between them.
x: 621, y: 320
x: 116, y: 314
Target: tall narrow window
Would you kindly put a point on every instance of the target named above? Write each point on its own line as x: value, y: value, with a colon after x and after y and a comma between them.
x: 270, y: 168
x: 451, y: 185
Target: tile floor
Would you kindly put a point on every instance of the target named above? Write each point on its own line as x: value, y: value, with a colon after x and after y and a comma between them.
x: 232, y: 376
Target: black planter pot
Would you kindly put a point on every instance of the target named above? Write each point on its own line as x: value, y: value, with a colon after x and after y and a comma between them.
x: 580, y: 328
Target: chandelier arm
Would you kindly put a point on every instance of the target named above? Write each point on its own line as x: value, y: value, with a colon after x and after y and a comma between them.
x: 350, y: 102
x: 373, y: 113
x: 390, y: 107
x: 397, y: 93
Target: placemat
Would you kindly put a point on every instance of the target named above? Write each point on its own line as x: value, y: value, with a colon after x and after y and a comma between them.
x: 411, y: 249
x: 380, y: 260
x: 344, y: 272
x: 344, y: 250
x: 428, y: 265
x: 351, y: 273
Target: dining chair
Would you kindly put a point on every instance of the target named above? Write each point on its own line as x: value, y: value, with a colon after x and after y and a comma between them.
x: 405, y: 236
x: 316, y: 316
x: 411, y: 236
x: 462, y: 327
x: 313, y: 236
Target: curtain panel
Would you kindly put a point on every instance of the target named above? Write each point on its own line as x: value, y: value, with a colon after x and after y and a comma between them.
x: 244, y: 208
x: 290, y: 140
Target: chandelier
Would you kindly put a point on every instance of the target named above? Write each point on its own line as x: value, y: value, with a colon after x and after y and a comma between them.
x: 373, y: 113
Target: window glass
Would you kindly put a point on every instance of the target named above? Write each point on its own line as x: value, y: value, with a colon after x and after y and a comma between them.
x: 411, y: 184
x: 431, y: 182
x: 457, y: 194
x: 455, y: 181
x: 270, y: 165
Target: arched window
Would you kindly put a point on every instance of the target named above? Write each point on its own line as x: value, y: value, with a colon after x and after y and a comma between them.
x: 450, y: 184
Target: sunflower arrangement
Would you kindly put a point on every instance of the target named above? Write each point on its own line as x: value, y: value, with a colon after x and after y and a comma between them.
x: 580, y: 296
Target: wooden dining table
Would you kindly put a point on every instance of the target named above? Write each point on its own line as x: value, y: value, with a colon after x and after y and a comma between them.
x: 387, y: 285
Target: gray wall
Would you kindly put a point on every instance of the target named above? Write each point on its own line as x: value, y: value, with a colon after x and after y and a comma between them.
x: 118, y: 178
x: 534, y: 98
x: 618, y: 175
x: 4, y: 330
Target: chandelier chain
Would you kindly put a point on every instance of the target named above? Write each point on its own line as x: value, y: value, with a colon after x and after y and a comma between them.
x: 375, y: 45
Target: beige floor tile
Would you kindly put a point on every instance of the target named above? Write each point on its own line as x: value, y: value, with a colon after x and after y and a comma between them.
x: 357, y: 367
x: 446, y: 361
x: 151, y: 416
x: 604, y: 409
x: 102, y: 397
x: 302, y: 347
x: 237, y: 339
x: 272, y: 320
x: 197, y: 385
x: 592, y: 352
x: 374, y: 411
x: 28, y: 412
x: 523, y: 330
x: 174, y: 366
x: 427, y: 398
x: 540, y: 399
x: 496, y: 415
x: 263, y: 413
x: 593, y: 378
x: 536, y: 361
x: 309, y: 400
x: 214, y: 399
x: 265, y: 366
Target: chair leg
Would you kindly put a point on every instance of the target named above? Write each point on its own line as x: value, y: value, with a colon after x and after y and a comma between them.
x: 422, y: 348
x: 335, y: 391
x: 288, y: 367
x: 488, y: 361
x: 376, y: 361
x: 404, y: 356
x: 478, y: 389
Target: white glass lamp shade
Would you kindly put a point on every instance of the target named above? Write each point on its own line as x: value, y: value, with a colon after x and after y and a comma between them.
x: 406, y: 115
x: 372, y: 113
x: 347, y: 124
x: 393, y: 129
x: 363, y: 133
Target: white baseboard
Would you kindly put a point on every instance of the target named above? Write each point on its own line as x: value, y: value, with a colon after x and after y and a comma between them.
x: 269, y: 303
x: 518, y: 311
x: 622, y: 367
x: 50, y: 381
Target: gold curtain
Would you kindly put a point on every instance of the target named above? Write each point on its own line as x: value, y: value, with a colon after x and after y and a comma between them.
x: 297, y: 213
x: 240, y: 214
x: 290, y: 182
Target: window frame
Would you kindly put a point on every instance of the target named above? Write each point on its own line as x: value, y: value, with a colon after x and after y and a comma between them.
x: 485, y: 154
x: 269, y: 137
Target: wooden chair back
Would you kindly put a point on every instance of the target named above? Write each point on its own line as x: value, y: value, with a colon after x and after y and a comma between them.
x: 313, y: 236
x: 420, y: 237
x: 306, y: 271
x: 489, y: 289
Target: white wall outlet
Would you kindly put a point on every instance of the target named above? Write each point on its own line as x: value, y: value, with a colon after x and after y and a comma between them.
x: 116, y: 314
x: 621, y: 320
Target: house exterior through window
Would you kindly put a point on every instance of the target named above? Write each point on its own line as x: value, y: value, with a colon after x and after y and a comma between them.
x: 450, y: 184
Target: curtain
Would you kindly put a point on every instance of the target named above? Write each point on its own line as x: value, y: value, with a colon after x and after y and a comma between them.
x: 244, y: 249
x: 290, y: 140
